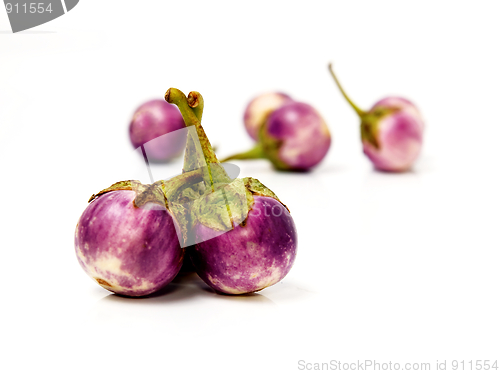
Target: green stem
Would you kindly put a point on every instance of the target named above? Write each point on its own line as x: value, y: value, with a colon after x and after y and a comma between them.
x: 254, y: 153
x: 191, y: 158
x: 359, y: 112
x: 175, y: 96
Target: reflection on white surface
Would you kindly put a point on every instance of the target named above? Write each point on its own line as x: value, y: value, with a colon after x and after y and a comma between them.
x: 188, y: 293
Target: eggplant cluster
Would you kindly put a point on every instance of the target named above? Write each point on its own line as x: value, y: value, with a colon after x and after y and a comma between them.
x: 132, y: 238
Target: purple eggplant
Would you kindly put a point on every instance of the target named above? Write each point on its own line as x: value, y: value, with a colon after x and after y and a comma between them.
x: 260, y: 108
x: 152, y: 120
x: 128, y: 249
x: 294, y: 137
x: 391, y: 132
x: 254, y: 255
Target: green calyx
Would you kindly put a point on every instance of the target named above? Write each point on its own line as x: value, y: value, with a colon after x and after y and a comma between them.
x: 255, y: 187
x: 266, y: 148
x: 271, y: 148
x: 225, y: 208
x: 228, y: 206
x: 145, y: 193
x: 123, y: 185
x: 370, y: 122
x: 159, y: 192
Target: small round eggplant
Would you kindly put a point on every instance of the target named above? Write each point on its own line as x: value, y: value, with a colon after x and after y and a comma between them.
x: 152, y: 120
x: 260, y: 108
x: 294, y: 137
x: 254, y: 255
x: 391, y: 131
x: 128, y: 250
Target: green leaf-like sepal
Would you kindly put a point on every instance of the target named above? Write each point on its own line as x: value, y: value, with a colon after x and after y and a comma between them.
x: 159, y: 192
x: 369, y: 124
x: 175, y: 188
x: 123, y: 185
x: 145, y: 193
x: 270, y: 147
x: 151, y: 193
x: 228, y: 206
x: 255, y: 187
x: 225, y: 208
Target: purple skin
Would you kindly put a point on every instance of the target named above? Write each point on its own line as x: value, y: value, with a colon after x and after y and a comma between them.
x: 295, y: 137
x: 252, y: 256
x: 398, y: 135
x: 127, y: 250
x: 152, y: 120
x: 260, y: 108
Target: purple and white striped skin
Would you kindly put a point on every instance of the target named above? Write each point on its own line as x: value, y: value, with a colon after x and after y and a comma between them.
x: 398, y: 135
x: 128, y: 250
x: 256, y: 254
x: 260, y: 108
x: 295, y: 137
x: 152, y: 120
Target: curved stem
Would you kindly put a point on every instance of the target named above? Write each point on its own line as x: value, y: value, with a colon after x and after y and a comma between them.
x: 359, y: 112
x: 215, y: 172
x: 254, y: 153
x: 196, y: 102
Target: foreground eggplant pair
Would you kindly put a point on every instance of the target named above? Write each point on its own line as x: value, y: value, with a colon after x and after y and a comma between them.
x: 131, y: 239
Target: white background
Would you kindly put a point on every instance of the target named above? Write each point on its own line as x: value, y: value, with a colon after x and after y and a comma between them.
x: 401, y: 268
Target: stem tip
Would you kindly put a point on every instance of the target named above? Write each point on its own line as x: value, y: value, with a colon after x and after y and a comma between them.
x: 193, y: 99
x: 167, y: 95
